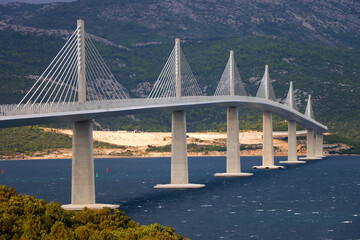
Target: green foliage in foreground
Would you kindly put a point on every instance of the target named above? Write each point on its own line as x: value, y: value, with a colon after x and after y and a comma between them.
x: 25, y: 217
x: 29, y: 139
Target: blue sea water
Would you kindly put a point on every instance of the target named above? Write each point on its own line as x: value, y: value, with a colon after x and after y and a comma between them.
x: 317, y: 200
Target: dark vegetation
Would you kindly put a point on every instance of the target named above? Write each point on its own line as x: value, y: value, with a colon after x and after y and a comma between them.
x: 336, y: 138
x: 193, y: 147
x: 25, y: 217
x: 30, y: 139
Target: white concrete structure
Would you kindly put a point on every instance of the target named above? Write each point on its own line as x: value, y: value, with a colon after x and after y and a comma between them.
x: 233, y: 164
x: 83, y: 179
x: 179, y: 159
x: 81, y: 61
x: 310, y: 137
x: 310, y: 146
x: 268, y: 147
x: 292, y: 142
x: 292, y: 145
x: 319, y: 148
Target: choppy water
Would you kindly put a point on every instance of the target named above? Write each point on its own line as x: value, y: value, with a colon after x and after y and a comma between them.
x: 317, y: 200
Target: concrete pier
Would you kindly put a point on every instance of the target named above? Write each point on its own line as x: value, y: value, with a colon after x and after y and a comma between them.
x: 310, y: 146
x: 83, y: 179
x: 233, y: 164
x: 268, y: 149
x: 310, y: 137
x: 292, y: 142
x: 319, y: 145
x: 179, y: 160
x: 292, y: 145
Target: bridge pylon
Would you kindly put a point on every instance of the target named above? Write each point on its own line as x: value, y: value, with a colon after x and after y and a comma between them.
x: 266, y: 91
x: 233, y: 164
x: 292, y: 141
x: 179, y: 159
x: 310, y: 136
x: 83, y: 179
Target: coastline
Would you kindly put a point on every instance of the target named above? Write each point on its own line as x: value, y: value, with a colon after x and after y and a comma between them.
x: 157, y: 144
x: 157, y: 156
x: 256, y: 153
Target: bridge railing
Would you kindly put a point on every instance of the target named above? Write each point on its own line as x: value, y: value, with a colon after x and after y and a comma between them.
x: 16, y: 110
x: 41, y: 108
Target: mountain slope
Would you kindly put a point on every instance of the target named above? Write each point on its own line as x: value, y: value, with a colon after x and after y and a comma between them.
x: 329, y: 22
x: 330, y: 75
x: 305, y: 42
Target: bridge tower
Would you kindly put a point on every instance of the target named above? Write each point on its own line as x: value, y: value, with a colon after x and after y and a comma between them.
x: 292, y: 142
x: 83, y: 179
x: 266, y: 91
x: 310, y: 136
x: 179, y: 159
x: 233, y: 164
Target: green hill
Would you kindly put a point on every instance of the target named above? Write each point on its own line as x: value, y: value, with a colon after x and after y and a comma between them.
x: 31, y: 35
x: 329, y: 75
x: 30, y: 139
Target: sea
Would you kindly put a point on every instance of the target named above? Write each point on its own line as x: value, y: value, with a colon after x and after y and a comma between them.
x: 316, y: 200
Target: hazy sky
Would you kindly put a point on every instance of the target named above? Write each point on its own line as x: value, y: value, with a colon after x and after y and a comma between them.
x: 35, y: 1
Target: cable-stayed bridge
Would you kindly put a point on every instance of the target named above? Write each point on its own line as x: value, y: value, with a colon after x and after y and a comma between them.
x: 78, y: 86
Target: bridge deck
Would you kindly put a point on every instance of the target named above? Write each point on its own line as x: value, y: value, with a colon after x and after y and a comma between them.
x: 111, y: 108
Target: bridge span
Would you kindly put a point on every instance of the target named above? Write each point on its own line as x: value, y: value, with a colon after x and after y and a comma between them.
x: 78, y: 87
x: 18, y: 116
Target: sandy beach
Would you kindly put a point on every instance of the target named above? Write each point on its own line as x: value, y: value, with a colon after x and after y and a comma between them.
x: 138, y: 139
x: 138, y: 144
x: 135, y: 144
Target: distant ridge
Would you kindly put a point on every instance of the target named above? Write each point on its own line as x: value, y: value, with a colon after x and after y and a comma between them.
x: 330, y: 22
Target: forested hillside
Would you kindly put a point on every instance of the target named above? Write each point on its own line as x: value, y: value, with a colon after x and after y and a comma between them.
x: 136, y: 42
x: 30, y: 139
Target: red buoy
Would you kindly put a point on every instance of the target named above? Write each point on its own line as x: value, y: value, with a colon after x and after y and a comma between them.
x: 107, y: 169
x: 2, y: 171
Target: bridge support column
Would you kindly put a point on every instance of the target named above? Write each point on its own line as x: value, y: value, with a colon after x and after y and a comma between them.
x: 179, y: 160
x: 310, y: 146
x: 83, y: 180
x: 268, y: 148
x: 233, y: 165
x: 319, y: 145
x: 292, y: 145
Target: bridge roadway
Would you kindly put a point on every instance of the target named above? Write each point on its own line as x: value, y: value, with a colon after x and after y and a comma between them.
x: 111, y: 108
